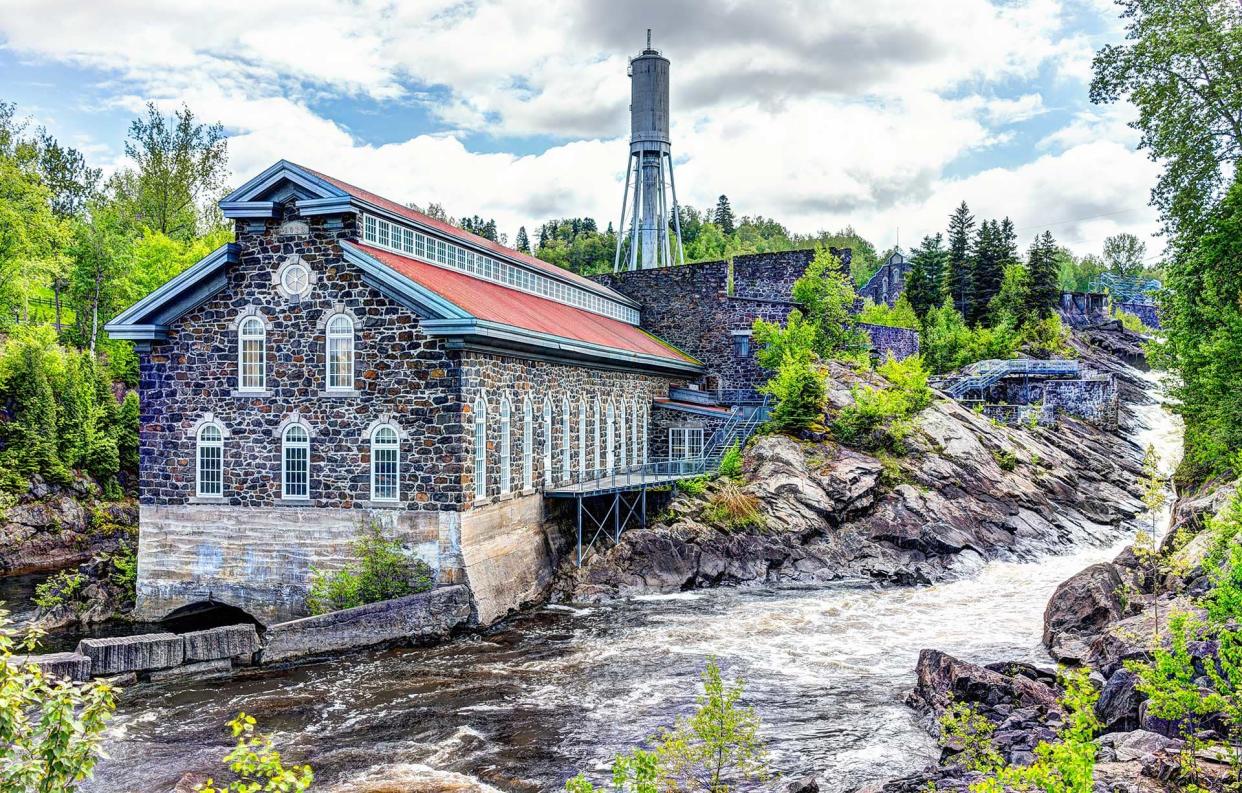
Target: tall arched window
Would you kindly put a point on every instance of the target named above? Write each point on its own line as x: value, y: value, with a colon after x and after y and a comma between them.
x: 480, y: 448
x: 646, y: 418
x: 251, y: 355
x: 385, y: 464
x: 209, y: 460
x: 610, y: 434
x: 566, y: 447
x: 295, y: 455
x: 634, y: 422
x: 547, y: 442
x: 595, y: 468
x: 506, y: 446
x: 340, y: 358
x: 582, y: 425
x: 623, y: 458
x: 528, y: 444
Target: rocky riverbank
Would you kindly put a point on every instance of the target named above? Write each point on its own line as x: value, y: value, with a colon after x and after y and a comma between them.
x: 54, y: 527
x: 969, y: 490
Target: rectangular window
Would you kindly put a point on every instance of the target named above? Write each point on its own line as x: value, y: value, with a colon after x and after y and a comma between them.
x: 368, y: 232
x: 382, y: 237
x: 297, y: 471
x: 384, y: 473
x: 741, y: 344
x: 685, y: 443
x: 210, y: 470
x: 407, y: 240
x: 252, y: 365
x: 341, y: 362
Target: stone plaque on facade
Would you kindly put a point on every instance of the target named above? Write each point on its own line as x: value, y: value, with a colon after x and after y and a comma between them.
x: 293, y: 228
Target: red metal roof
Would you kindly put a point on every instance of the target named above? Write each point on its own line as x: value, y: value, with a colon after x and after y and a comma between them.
x: 487, y: 300
x: 449, y: 230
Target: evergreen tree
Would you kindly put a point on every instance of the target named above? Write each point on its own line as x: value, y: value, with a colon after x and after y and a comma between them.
x: 959, y: 277
x: 1043, y: 291
x: 926, y: 282
x: 523, y: 242
x: 724, y: 215
x: 988, y: 269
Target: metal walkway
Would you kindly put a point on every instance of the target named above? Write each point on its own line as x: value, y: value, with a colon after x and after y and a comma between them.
x: 621, y: 492
x: 986, y: 373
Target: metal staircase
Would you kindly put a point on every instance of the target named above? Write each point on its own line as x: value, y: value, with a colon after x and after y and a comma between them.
x: 985, y: 374
x: 738, y: 429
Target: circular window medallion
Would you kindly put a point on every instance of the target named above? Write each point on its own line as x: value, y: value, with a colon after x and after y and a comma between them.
x: 294, y: 278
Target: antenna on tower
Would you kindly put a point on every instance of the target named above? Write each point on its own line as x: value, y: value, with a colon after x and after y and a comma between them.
x: 649, y: 180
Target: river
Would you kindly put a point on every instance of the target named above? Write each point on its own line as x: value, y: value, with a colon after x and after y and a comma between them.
x: 561, y: 690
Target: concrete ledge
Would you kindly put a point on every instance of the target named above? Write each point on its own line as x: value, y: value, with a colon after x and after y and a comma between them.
x: 133, y: 653
x: 229, y: 641
x: 203, y: 670
x: 414, y: 619
x: 73, y: 666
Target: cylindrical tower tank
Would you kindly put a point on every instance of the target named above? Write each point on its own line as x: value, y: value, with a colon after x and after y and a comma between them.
x: 649, y: 98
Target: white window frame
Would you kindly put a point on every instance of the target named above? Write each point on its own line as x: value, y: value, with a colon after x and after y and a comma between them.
x: 547, y: 442
x: 506, y: 446
x: 245, y: 334
x: 646, y: 419
x: 623, y: 455
x: 610, y: 434
x: 582, y: 436
x: 595, y: 470
x: 333, y: 336
x: 395, y: 447
x: 566, y: 441
x: 202, y: 444
x: 528, y: 444
x: 480, y: 448
x: 679, y: 438
x: 287, y: 445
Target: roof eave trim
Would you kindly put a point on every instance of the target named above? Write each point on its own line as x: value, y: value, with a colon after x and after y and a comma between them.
x: 426, y: 303
x: 248, y: 209
x: 282, y: 169
x: 565, y: 348
x: 149, y: 317
x: 332, y: 205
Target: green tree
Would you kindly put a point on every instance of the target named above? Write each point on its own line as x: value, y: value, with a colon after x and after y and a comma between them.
x: 523, y: 242
x: 991, y: 255
x: 899, y: 315
x: 1124, y: 254
x: 51, y: 729
x: 1010, y: 303
x: 1043, y: 294
x: 925, y: 284
x: 258, y: 766
x: 827, y: 297
x: 1181, y: 66
x: 723, y: 216
x: 179, y: 170
x: 481, y: 227
x: 959, y: 275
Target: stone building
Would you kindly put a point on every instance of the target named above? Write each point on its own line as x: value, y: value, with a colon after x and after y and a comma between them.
x: 349, y: 360
x: 887, y: 283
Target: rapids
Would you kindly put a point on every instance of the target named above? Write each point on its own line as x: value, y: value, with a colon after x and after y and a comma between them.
x: 563, y: 689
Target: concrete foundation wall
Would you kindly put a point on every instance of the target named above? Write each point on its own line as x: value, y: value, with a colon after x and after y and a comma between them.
x: 260, y: 559
x: 506, y: 556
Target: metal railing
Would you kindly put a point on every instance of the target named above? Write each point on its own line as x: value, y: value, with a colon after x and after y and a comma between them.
x: 985, y: 373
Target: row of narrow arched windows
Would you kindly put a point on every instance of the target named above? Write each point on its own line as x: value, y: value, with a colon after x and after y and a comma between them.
x: 295, y: 462
x: 338, y: 360
x: 624, y: 432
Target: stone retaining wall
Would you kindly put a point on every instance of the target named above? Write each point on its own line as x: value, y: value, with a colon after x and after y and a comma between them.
x: 1146, y: 312
x: 900, y: 342
x: 416, y: 619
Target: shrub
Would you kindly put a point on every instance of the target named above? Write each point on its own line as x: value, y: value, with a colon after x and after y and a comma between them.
x: 58, y: 590
x: 798, y: 389
x: 50, y: 729
x: 694, y: 486
x: 1045, y: 338
x: 968, y: 733
x: 731, y: 461
x: 731, y: 508
x: 947, y: 343
x: 714, y: 750
x: 258, y: 766
x: 383, y: 572
x: 899, y: 315
x: 880, y: 418
x: 1007, y: 460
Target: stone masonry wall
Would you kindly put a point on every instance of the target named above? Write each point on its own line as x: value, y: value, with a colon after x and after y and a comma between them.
x: 1147, y: 312
x: 900, y: 342
x: 401, y: 376
x: 664, y: 418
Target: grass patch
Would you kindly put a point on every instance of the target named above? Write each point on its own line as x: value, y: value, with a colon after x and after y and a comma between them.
x: 731, y: 508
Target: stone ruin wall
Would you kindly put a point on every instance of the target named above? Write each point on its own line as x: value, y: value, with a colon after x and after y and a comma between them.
x: 901, y: 343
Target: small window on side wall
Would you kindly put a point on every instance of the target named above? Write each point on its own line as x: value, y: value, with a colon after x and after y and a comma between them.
x: 340, y: 353
x: 741, y: 344
x: 209, y: 462
x: 385, y: 464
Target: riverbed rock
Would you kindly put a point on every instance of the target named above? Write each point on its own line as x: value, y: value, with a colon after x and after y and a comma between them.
x: 201, y: 670
x: 229, y: 641
x: 73, y: 666
x: 1083, y: 605
x: 142, y: 653
x: 414, y: 619
x: 807, y: 784
x: 1118, y: 705
x: 53, y: 527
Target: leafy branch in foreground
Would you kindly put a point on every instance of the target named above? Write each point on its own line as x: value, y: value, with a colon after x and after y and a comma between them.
x: 258, y: 765
x: 712, y: 750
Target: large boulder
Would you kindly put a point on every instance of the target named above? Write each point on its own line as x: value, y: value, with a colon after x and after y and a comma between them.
x: 943, y: 680
x: 72, y: 666
x: 1118, y: 705
x: 119, y: 654
x: 229, y: 641
x: 1083, y: 605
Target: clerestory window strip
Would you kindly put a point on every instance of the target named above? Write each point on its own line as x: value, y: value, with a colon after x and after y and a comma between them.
x: 395, y: 237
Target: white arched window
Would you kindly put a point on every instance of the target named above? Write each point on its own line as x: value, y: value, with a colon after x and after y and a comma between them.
x: 385, y: 464
x: 634, y: 422
x: 623, y: 458
x: 646, y: 418
x: 582, y: 425
x: 209, y: 460
x: 566, y: 443
x: 295, y: 458
x: 595, y: 447
x: 547, y: 442
x: 480, y: 448
x: 528, y: 444
x: 506, y: 446
x: 610, y: 434
x: 340, y: 358
x: 251, y: 355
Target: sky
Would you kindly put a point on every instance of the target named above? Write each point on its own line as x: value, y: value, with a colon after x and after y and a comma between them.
x: 882, y: 115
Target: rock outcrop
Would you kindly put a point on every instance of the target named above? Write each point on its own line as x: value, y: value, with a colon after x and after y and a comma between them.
x: 53, y: 527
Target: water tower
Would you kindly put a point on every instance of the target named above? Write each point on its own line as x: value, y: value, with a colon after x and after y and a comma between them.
x: 649, y: 168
